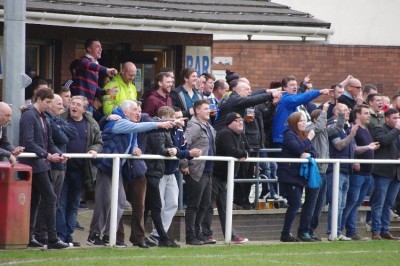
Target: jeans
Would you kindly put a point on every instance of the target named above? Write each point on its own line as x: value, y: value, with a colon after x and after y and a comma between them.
x: 382, y: 200
x: 307, y: 210
x: 358, y: 189
x: 43, y: 190
x: 319, y: 205
x: 198, y: 201
x: 294, y: 194
x: 69, y: 204
x: 343, y: 188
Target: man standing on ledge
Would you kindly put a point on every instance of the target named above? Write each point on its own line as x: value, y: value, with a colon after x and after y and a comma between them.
x: 85, y: 81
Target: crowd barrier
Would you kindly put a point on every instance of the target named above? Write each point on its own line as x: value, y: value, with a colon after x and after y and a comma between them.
x: 230, y: 181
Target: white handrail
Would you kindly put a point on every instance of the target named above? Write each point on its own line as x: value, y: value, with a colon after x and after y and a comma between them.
x: 230, y: 180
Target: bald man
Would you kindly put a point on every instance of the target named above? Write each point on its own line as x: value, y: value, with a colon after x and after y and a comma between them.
x: 352, y: 95
x: 6, y: 148
x: 123, y: 86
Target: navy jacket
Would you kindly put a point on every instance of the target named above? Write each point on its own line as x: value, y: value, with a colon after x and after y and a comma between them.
x: 293, y: 147
x: 179, y: 142
x: 61, y: 132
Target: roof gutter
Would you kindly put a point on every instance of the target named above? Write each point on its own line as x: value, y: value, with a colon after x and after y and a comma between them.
x: 83, y: 21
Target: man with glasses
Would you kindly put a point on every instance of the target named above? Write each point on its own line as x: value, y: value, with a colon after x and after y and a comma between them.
x: 352, y: 95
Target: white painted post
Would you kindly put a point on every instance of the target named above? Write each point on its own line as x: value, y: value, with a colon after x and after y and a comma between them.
x: 229, y: 202
x: 335, y: 199
x: 114, y: 200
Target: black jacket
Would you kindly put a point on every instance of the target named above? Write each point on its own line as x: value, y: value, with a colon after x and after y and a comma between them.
x: 238, y: 104
x: 228, y: 143
x: 389, y: 150
x: 157, y: 143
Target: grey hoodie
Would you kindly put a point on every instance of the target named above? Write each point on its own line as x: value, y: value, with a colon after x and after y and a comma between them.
x: 322, y: 132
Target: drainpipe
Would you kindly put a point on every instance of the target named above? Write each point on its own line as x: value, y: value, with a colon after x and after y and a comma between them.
x: 15, y: 79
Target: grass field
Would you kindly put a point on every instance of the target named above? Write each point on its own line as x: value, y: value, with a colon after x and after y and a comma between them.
x: 324, y: 253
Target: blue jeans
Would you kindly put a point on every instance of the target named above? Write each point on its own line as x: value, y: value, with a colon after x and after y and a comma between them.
x: 343, y: 188
x: 358, y: 189
x: 294, y: 193
x: 69, y: 203
x: 319, y: 205
x: 382, y: 200
x: 307, y: 210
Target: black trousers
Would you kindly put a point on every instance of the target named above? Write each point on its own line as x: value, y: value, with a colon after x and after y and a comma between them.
x: 153, y: 204
x: 42, y: 190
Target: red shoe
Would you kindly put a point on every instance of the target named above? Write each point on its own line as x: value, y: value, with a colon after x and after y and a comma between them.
x: 240, y: 240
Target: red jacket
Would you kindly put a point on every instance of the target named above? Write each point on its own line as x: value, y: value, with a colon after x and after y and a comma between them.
x: 154, y: 101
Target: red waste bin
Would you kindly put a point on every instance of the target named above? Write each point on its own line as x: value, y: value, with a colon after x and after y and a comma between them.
x: 15, y: 205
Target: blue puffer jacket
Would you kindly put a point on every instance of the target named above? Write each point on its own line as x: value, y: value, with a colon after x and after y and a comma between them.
x: 114, y: 143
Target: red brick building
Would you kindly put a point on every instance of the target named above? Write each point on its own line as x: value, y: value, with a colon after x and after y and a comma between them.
x: 262, y: 62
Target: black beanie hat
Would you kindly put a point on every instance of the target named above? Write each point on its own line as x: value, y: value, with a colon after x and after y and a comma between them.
x: 231, y: 117
x: 231, y: 76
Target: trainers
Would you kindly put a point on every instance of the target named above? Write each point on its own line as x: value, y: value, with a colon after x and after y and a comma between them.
x: 239, y: 240
x: 288, y: 238
x: 94, y: 240
x: 151, y: 241
x: 344, y: 238
x: 208, y: 240
x: 389, y: 236
x: 357, y: 237
x: 330, y: 238
x: 305, y: 237
x: 315, y: 237
x: 106, y: 240
x: 74, y: 244
x: 393, y: 214
x: 155, y: 239
x: 120, y: 244
x: 59, y: 244
x: 168, y: 244
x: 194, y: 241
x: 33, y: 243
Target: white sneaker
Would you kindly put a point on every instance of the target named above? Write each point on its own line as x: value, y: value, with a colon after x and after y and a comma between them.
x: 393, y: 214
x: 330, y: 238
x: 344, y: 238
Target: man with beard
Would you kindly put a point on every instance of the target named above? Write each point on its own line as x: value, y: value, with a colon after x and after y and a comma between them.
x: 159, y: 97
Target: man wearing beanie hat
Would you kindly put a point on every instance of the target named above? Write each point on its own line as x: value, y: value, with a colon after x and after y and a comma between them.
x: 231, y: 76
x: 229, y: 142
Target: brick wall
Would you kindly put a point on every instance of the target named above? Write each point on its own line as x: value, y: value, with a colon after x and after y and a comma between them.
x: 257, y: 225
x: 263, y: 62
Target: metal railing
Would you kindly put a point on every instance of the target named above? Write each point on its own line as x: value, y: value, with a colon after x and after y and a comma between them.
x: 230, y: 182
